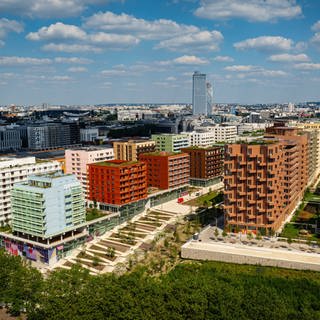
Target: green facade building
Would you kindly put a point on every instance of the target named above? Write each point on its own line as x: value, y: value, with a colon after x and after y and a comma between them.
x: 170, y: 142
x: 47, y: 205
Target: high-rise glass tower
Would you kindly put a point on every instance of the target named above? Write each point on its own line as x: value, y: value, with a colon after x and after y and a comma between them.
x: 209, y: 98
x: 199, y: 94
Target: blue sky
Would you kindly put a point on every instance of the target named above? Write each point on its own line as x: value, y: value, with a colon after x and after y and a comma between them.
x: 128, y: 51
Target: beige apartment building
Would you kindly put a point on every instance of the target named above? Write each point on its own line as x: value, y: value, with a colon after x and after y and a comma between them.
x: 131, y: 149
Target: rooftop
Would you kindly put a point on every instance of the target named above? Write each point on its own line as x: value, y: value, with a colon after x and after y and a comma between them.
x: 115, y: 163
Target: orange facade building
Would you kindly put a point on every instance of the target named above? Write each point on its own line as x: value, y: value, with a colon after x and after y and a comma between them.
x: 296, y: 165
x: 253, y: 197
x: 166, y: 170
x: 264, y: 181
x: 117, y: 182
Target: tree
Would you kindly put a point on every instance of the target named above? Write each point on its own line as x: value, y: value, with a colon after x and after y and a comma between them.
x: 216, y: 232
x: 96, y: 260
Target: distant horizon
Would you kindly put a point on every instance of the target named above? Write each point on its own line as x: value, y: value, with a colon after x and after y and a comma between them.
x: 84, y: 51
x: 158, y: 103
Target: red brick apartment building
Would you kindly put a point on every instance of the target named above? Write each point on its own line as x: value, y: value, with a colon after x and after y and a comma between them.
x: 166, y: 170
x: 117, y: 182
x: 265, y: 180
x: 205, y: 163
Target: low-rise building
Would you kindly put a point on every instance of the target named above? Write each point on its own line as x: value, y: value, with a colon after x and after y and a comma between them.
x: 221, y: 133
x: 170, y: 142
x: 130, y: 150
x: 166, y: 170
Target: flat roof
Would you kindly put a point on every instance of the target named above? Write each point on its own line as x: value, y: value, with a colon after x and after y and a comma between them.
x: 162, y: 153
x: 115, y: 163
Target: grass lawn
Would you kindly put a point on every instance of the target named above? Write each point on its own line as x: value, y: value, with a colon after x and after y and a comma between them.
x: 211, y: 197
x: 93, y: 214
x: 292, y: 231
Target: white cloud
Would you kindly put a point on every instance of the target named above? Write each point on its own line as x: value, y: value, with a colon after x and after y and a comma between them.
x: 77, y: 69
x: 46, y: 8
x: 285, y: 57
x: 241, y: 68
x: 57, y: 31
x: 223, y: 59
x: 12, y: 61
x: 172, y: 36
x: 307, y: 66
x: 315, y: 40
x: 171, y: 79
x: 252, y: 10
x: 244, y: 71
x: 7, y: 26
x: 113, y: 72
x: 113, y: 40
x: 202, y: 40
x: 74, y: 60
x: 316, y: 26
x: 265, y: 44
x: 61, y: 78
x: 81, y: 41
x: 143, y: 29
x: 272, y: 73
x: 63, y: 47
x: 189, y: 60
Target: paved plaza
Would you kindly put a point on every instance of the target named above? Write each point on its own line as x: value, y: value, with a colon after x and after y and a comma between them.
x: 240, y: 249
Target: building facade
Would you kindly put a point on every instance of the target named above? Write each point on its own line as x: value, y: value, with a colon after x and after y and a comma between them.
x: 264, y: 182
x: 206, y: 164
x: 78, y: 159
x: 168, y: 142
x: 117, y: 182
x: 10, y: 139
x: 166, y: 170
x: 253, y: 186
x: 89, y: 134
x: 13, y: 170
x: 296, y: 166
x: 221, y: 133
x: 47, y: 205
x: 131, y: 149
x: 46, y: 136
x: 199, y: 94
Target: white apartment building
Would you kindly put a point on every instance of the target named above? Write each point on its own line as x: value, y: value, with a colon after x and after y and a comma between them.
x: 201, y: 138
x: 14, y: 170
x: 78, y: 159
x: 220, y: 133
x: 248, y: 127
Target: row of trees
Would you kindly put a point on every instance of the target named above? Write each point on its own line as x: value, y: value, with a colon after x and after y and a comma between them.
x: 191, y: 291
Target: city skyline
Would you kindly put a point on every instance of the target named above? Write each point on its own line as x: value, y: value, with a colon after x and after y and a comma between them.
x: 128, y: 51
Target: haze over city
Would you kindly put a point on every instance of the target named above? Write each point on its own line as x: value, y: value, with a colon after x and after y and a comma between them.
x: 89, y: 52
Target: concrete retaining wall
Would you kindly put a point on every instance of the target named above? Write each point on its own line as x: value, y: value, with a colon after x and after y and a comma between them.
x: 205, y: 254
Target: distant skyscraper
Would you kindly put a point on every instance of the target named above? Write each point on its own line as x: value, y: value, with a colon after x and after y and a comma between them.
x: 199, y: 94
x: 209, y: 98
